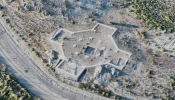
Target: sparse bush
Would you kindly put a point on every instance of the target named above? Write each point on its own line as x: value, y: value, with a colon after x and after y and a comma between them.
x: 142, y: 35
x: 82, y: 85
x: 7, y: 20
x: 162, y: 50
x: 1, y: 7
x: 33, y: 49
x: 45, y: 61
x: 31, y: 34
x: 20, y: 35
x: 26, y: 70
x: 37, y: 54
x: 23, y: 38
x: 158, y: 34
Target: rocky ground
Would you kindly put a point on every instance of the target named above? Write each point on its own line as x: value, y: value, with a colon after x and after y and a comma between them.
x: 34, y: 20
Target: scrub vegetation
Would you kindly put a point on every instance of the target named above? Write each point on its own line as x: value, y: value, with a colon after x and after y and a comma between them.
x: 10, y: 89
x: 96, y: 89
x: 159, y: 14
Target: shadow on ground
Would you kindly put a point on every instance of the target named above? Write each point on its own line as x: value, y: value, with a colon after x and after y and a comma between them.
x: 125, y: 25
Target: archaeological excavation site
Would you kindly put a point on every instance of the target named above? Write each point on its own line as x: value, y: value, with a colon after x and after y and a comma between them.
x: 87, y: 49
x: 77, y: 51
